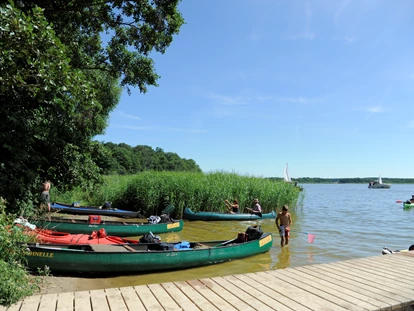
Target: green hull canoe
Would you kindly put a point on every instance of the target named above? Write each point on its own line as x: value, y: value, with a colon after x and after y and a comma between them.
x: 139, y: 258
x: 114, y: 228
x: 408, y: 205
x: 190, y: 215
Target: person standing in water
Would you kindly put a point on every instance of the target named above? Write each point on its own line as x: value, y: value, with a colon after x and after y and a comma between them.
x: 283, y: 222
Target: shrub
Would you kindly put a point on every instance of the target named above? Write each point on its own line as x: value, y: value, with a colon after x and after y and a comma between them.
x: 15, y: 281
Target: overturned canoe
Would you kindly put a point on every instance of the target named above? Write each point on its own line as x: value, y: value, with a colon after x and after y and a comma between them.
x: 190, y: 215
x: 122, y: 229
x: 141, y: 257
x: 92, y: 210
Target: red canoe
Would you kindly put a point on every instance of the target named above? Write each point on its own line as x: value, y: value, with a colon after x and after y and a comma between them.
x: 97, y: 237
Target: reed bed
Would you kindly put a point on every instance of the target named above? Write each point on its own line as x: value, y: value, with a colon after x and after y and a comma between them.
x: 150, y: 192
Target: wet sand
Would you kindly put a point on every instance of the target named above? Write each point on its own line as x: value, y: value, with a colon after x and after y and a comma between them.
x: 57, y: 284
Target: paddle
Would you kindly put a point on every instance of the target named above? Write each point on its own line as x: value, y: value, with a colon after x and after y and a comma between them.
x: 311, y: 237
x: 252, y: 212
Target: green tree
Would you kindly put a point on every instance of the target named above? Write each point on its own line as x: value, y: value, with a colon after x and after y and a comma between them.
x: 59, y: 83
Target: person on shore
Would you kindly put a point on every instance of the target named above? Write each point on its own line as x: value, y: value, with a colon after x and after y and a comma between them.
x: 232, y: 207
x: 256, y: 209
x: 45, y: 196
x: 283, y: 223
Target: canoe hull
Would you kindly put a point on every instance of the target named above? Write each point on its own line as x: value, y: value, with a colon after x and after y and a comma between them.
x: 111, y: 228
x: 408, y: 205
x: 190, y: 215
x: 144, y: 259
x: 91, y: 210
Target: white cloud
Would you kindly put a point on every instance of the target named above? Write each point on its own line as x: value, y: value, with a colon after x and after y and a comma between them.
x: 295, y: 100
x: 160, y: 129
x: 376, y: 109
x: 128, y: 116
x: 229, y: 100
x: 349, y: 39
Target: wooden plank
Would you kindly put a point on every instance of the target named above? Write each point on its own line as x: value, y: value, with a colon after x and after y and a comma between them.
x: 369, y: 277
x: 99, y: 300
x: 48, y: 302
x: 353, y: 297
x: 163, y: 297
x: 300, y: 295
x: 83, y: 301
x: 131, y: 298
x: 360, y: 291
x: 394, y: 280
x: 363, y: 286
x: 321, y: 291
x: 13, y: 307
x: 115, y: 299
x: 392, y: 269
x: 65, y: 301
x: 30, y: 303
x: 252, y: 296
x: 211, y: 296
x: 196, y: 298
x: 281, y: 301
x: 231, y: 298
x: 147, y: 298
x: 179, y: 297
x: 248, y: 297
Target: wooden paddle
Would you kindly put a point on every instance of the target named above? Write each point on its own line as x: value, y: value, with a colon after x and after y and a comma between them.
x: 253, y: 212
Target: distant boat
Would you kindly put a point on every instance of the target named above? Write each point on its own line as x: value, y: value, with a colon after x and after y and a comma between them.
x: 286, y: 176
x: 287, y: 179
x: 378, y: 184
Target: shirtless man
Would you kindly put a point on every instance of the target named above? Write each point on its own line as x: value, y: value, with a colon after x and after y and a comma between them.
x: 285, y: 220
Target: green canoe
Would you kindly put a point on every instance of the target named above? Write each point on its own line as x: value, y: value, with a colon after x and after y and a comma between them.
x: 139, y: 258
x: 115, y: 228
x: 190, y: 215
x: 408, y: 205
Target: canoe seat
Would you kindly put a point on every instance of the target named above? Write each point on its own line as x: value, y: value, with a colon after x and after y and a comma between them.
x: 109, y: 248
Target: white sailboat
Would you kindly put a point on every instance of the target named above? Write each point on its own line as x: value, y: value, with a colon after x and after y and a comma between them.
x: 378, y: 184
x: 286, y: 176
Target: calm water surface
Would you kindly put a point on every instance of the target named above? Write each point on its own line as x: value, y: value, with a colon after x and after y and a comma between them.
x: 349, y: 221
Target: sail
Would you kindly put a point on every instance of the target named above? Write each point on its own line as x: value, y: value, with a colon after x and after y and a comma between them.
x: 380, y: 179
x: 286, y: 174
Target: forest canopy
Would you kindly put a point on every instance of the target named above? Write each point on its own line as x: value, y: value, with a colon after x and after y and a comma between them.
x: 123, y: 159
x: 60, y: 80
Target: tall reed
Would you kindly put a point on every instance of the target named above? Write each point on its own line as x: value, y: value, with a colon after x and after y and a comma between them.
x: 150, y: 192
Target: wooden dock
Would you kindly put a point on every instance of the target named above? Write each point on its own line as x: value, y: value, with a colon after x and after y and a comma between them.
x: 375, y: 283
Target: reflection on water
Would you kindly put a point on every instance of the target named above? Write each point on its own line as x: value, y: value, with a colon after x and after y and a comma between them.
x: 283, y: 258
x: 349, y: 221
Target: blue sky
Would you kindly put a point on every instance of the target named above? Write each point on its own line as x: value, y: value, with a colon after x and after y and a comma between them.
x: 250, y: 85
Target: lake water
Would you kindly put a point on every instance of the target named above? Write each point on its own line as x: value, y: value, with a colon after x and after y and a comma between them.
x: 349, y: 221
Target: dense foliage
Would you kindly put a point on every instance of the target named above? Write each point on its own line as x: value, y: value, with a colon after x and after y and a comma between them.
x: 15, y: 282
x: 123, y: 159
x: 60, y: 81
x: 150, y: 192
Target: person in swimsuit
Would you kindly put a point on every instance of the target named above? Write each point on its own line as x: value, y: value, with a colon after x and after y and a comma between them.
x: 283, y: 222
x: 233, y: 208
